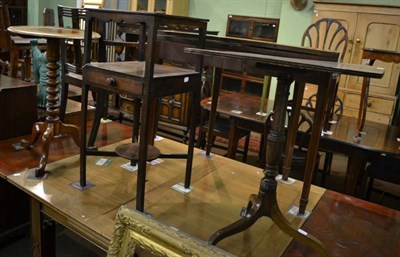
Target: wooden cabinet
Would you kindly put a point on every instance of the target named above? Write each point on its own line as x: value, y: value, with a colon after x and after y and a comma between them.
x: 256, y: 28
x: 175, y: 7
x: 369, y: 26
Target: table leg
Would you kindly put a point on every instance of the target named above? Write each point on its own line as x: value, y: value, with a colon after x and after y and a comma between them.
x: 321, y: 109
x: 265, y: 202
x: 292, y: 130
x: 213, y: 111
x: 362, y: 109
x: 354, y: 167
x: 35, y: 227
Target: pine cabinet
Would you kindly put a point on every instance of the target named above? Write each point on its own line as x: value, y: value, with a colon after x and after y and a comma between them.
x: 175, y: 7
x: 369, y: 26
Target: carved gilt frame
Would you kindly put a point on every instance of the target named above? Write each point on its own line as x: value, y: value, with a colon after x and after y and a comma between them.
x: 134, y: 230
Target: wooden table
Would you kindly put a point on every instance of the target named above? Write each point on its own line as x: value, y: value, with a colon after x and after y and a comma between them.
x: 52, y: 126
x: 372, y: 55
x: 14, y: 217
x: 219, y: 184
x: 287, y: 70
x: 243, y: 110
x: 377, y: 139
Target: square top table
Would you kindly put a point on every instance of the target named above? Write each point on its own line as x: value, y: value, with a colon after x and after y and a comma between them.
x: 287, y: 70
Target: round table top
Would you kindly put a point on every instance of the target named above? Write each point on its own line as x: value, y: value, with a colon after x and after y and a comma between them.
x: 50, y: 32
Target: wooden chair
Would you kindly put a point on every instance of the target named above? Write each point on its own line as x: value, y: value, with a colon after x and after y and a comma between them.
x: 136, y: 232
x: 71, y: 65
x: 3, y: 67
x: 384, y: 168
x: 222, y: 128
x: 71, y: 53
x: 222, y: 124
x: 327, y: 34
x: 12, y: 47
x: 299, y: 157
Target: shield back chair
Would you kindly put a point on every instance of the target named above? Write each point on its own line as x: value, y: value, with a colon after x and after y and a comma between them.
x: 325, y: 34
x: 331, y: 35
x: 328, y: 34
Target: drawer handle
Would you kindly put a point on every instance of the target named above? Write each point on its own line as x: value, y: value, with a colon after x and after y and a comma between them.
x: 369, y: 104
x: 110, y: 81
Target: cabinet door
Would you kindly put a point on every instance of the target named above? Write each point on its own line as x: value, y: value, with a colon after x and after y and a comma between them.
x: 175, y: 7
x: 380, y: 32
x: 139, y: 5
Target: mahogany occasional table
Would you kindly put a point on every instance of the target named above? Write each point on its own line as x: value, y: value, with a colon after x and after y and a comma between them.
x: 52, y: 126
x: 287, y: 70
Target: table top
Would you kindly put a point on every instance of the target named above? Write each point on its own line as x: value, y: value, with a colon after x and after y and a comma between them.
x: 366, y: 227
x: 220, y: 188
x: 380, y: 54
x: 240, y: 106
x: 349, y: 226
x: 60, y: 148
x: 296, y: 63
x: 7, y: 82
x: 378, y: 137
x: 50, y: 32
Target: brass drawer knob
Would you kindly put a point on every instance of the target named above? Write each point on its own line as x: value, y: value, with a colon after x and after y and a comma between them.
x: 110, y: 81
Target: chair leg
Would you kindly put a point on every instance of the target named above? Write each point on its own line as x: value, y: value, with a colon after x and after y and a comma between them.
x: 246, y: 147
x: 327, y: 167
x: 201, y: 138
x: 369, y: 188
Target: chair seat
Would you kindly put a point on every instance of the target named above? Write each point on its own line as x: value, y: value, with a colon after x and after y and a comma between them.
x: 387, y: 169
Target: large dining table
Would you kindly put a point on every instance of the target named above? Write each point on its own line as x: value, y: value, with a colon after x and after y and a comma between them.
x: 377, y: 139
x: 218, y: 185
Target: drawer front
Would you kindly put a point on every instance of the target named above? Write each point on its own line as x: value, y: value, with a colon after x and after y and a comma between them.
x: 310, y: 90
x: 113, y: 82
x: 371, y: 116
x: 376, y: 105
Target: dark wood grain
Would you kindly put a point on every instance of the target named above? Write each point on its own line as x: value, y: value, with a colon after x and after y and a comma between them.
x: 351, y: 227
x: 378, y: 139
x: 14, y: 161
